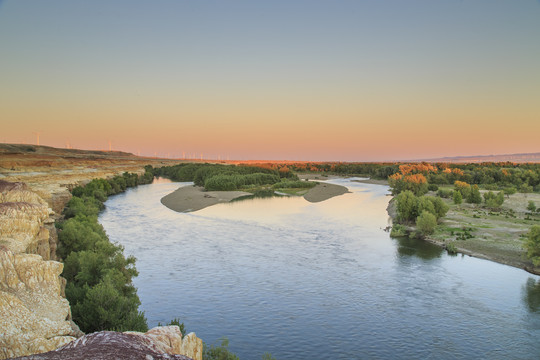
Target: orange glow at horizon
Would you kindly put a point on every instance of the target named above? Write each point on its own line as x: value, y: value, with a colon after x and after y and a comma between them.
x: 388, y: 87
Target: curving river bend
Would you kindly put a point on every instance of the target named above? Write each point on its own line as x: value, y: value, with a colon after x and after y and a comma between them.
x: 323, y: 280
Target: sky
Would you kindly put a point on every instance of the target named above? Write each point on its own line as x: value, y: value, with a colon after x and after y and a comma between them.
x: 326, y: 80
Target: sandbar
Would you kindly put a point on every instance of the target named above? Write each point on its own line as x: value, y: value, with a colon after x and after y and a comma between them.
x: 193, y: 198
x: 324, y: 191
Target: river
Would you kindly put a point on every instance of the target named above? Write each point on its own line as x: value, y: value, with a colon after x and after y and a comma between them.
x: 319, y: 280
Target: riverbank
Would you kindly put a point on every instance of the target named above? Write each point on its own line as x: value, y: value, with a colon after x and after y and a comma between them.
x: 492, y: 235
x: 192, y: 198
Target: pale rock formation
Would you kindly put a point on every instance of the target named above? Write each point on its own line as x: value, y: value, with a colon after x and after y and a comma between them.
x: 18, y: 192
x: 168, y: 339
x: 34, y: 314
x: 32, y: 311
x: 159, y: 343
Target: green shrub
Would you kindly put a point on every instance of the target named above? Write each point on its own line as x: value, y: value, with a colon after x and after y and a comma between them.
x: 99, y: 278
x: 451, y: 248
x: 493, y: 201
x: 457, y: 197
x: 85, y: 205
x: 532, y: 245
x: 176, y: 322
x: 433, y: 187
x: 474, y: 196
x: 426, y: 223
x: 398, y: 231
x: 218, y: 352
x: 445, y: 193
x: 298, y: 184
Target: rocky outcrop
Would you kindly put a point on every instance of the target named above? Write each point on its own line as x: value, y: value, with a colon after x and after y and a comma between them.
x: 159, y: 343
x: 34, y: 315
x: 26, y: 223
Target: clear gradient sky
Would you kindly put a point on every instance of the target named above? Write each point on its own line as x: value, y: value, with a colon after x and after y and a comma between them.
x: 347, y: 80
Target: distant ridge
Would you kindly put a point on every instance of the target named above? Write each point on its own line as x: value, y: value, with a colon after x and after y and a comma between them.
x: 19, y: 149
x: 516, y: 158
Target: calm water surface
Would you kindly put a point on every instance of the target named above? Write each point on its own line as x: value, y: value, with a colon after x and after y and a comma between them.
x: 318, y: 281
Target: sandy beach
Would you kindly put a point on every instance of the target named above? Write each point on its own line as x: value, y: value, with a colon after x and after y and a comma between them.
x: 193, y: 198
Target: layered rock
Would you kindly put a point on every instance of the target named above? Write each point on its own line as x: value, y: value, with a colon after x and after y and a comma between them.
x: 159, y: 343
x: 26, y: 225
x: 34, y: 315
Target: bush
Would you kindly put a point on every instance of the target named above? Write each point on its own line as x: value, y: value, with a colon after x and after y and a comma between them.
x: 457, y: 197
x: 494, y: 201
x: 85, y: 205
x: 510, y: 191
x: 445, y: 193
x: 433, y: 187
x: 99, y: 278
x: 398, y: 231
x: 176, y: 322
x: 474, y: 196
x: 424, y: 204
x: 218, y: 352
x: 426, y: 223
x: 532, y: 245
x: 451, y: 248
x: 285, y: 184
x: 531, y: 206
x: 440, y: 207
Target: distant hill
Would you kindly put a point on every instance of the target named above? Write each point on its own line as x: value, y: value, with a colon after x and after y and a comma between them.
x: 40, y: 150
x: 516, y: 158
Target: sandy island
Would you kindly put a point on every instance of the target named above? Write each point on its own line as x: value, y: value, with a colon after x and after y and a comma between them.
x: 193, y: 198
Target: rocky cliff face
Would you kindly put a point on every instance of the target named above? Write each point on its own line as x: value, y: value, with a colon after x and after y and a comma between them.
x: 34, y: 316
x: 159, y: 343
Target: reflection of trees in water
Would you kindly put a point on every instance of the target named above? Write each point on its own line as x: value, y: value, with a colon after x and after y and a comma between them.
x: 531, y: 294
x: 417, y: 247
x: 259, y: 194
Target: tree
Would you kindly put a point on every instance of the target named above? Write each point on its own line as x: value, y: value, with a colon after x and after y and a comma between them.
x: 441, y: 208
x: 463, y: 188
x: 494, y: 201
x: 424, y: 204
x: 458, y: 199
x: 474, y: 196
x: 407, y: 206
x: 426, y: 223
x: 532, y: 245
x: 532, y: 206
x: 510, y: 191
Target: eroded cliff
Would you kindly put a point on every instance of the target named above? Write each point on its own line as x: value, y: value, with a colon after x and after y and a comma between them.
x: 34, y: 315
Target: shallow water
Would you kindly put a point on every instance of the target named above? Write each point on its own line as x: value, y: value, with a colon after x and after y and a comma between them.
x: 323, y: 280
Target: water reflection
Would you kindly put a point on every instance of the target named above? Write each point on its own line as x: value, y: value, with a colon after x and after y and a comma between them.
x: 531, y: 296
x: 417, y: 247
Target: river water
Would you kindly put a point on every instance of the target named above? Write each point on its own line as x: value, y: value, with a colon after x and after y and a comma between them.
x: 320, y: 281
